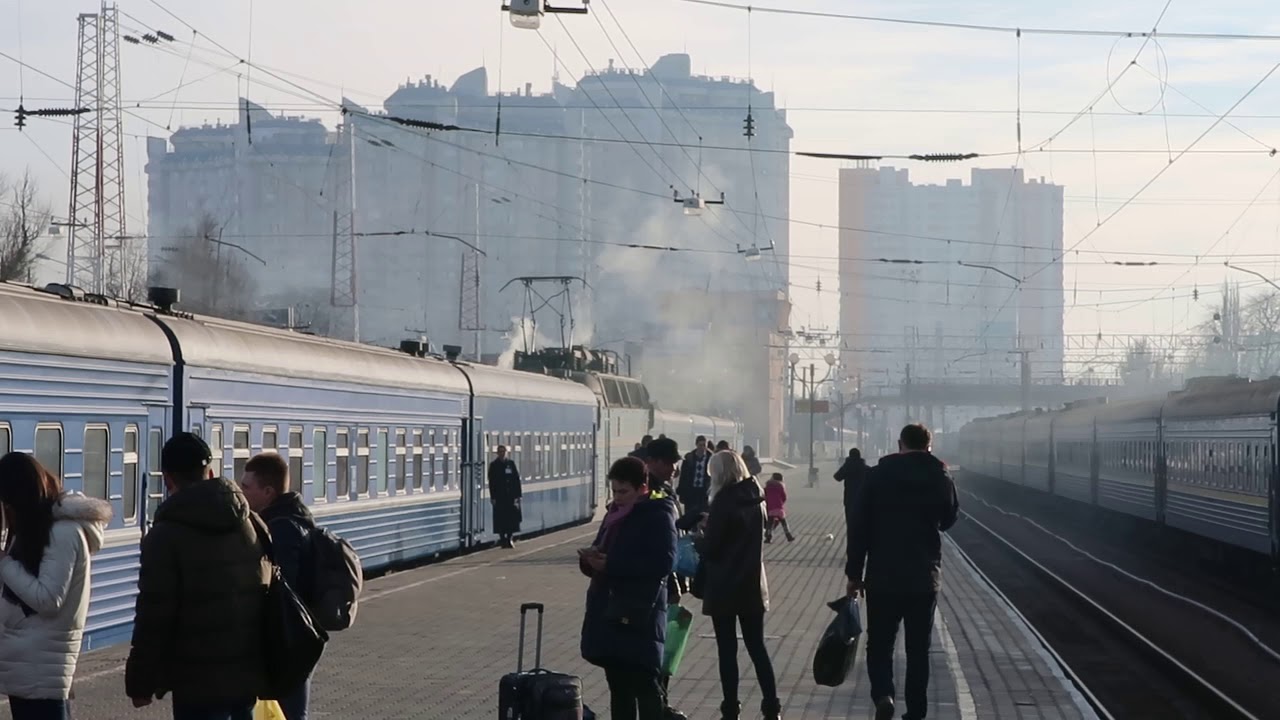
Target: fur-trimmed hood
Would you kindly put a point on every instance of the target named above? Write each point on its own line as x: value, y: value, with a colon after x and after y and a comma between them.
x: 90, y: 513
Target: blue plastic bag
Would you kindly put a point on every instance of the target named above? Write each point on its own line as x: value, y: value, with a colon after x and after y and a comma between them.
x: 686, y: 557
x: 839, y: 644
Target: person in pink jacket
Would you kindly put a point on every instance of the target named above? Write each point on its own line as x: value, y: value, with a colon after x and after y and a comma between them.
x: 775, y: 501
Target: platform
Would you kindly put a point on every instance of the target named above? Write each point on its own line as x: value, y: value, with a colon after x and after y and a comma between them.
x: 432, y: 642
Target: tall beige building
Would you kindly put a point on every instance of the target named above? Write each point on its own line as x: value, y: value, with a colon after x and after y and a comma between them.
x: 942, y: 317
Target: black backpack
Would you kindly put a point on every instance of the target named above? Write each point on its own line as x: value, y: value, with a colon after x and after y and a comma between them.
x: 292, y: 641
x: 333, y: 580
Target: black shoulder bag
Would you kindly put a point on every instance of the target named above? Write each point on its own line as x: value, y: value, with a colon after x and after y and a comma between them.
x: 292, y: 640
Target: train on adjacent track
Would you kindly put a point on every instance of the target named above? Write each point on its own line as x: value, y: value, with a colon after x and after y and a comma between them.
x: 387, y: 447
x: 1202, y: 459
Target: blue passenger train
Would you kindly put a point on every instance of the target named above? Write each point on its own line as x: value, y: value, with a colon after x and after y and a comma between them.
x: 387, y: 447
x: 1202, y: 459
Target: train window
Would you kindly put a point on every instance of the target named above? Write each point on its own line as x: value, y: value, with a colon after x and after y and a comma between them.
x: 96, y: 456
x: 431, y: 463
x: 384, y: 462
x: 611, y: 392
x: 342, y: 475
x: 155, y: 479
x: 239, y: 450
x: 49, y: 448
x: 320, y: 466
x: 417, y: 459
x: 129, y: 479
x: 270, y: 442
x: 215, y: 448
x: 445, y: 464
x: 402, y: 460
x: 362, y: 462
x: 6, y: 440
x: 295, y: 458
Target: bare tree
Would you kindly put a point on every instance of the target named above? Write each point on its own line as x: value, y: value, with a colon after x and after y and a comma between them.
x: 209, y: 273
x: 126, y: 271
x: 1260, y: 323
x: 23, y: 219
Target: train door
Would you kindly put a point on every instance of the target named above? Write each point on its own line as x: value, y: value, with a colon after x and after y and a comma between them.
x: 1273, y: 492
x: 474, y: 501
x: 157, y: 431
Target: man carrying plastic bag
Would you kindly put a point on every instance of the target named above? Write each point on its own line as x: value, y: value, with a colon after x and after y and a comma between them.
x: 839, y: 644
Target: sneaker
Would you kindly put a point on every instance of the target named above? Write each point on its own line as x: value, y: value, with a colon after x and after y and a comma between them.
x: 884, y: 708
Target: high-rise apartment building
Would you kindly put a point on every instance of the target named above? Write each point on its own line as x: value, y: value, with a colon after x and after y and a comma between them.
x: 948, y: 306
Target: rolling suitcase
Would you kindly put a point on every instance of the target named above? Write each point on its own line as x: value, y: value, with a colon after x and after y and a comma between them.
x: 538, y: 694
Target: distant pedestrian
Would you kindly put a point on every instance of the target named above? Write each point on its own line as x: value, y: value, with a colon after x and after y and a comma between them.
x: 266, y: 484
x: 775, y: 502
x: 907, y: 502
x: 504, y: 495
x: 722, y: 446
x: 640, y: 446
x: 198, y: 624
x: 694, y: 480
x: 853, y: 473
x: 753, y: 462
x: 736, y: 592
x: 625, y: 625
x: 44, y: 568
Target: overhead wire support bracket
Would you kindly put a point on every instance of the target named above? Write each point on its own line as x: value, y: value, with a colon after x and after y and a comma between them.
x: 527, y: 14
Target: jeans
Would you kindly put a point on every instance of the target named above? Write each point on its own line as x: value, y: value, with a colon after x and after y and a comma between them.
x: 727, y: 650
x: 773, y: 525
x: 295, y: 704
x: 23, y: 709
x: 225, y: 710
x: 885, y: 610
x: 633, y: 694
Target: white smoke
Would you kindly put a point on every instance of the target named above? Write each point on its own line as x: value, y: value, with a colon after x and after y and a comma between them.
x: 522, y: 336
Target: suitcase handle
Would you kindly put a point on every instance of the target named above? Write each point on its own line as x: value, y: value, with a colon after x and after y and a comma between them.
x: 537, y: 649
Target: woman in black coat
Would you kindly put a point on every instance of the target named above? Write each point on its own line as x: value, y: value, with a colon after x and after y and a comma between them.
x: 625, y: 625
x: 734, y: 588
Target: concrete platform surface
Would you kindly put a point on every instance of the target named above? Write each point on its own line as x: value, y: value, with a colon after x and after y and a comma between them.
x: 431, y: 643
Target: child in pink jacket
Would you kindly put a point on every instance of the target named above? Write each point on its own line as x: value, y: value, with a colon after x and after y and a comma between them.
x: 775, y: 501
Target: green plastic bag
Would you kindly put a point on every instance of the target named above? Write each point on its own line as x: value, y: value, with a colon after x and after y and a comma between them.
x: 679, y: 621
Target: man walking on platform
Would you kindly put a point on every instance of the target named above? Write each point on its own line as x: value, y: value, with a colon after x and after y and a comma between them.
x: 504, y: 495
x: 907, y: 501
x: 694, y: 479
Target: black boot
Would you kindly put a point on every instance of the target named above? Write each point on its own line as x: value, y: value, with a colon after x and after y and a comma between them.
x: 771, y: 709
x: 730, y: 710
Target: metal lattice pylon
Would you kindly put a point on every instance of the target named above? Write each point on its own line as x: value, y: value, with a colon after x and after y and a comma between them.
x: 97, y: 211
x: 343, y: 289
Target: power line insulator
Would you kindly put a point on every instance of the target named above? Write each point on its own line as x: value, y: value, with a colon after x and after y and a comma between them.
x: 749, y: 126
x: 20, y: 117
x: 164, y: 36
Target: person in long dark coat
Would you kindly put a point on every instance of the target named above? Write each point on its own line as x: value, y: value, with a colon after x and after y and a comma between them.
x: 625, y: 625
x: 853, y: 473
x: 504, y: 495
x: 735, y: 590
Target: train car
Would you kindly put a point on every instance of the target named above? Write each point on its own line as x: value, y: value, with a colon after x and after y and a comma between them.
x: 548, y: 426
x: 1220, y: 461
x: 85, y: 389
x: 1128, y: 438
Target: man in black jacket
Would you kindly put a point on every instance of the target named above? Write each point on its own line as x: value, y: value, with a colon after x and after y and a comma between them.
x: 198, y: 625
x: 504, y: 496
x: 660, y: 457
x: 265, y: 484
x: 852, y: 473
x: 907, y: 501
x: 694, y: 479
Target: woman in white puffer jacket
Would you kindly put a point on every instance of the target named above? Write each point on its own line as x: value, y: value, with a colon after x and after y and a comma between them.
x: 44, y: 585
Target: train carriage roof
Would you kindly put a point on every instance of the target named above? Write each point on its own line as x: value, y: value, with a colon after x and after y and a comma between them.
x: 36, y: 321
x: 1146, y: 409
x: 495, y: 382
x: 1223, y: 397
x: 242, y: 347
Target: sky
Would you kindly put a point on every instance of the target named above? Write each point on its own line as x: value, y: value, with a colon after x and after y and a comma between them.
x: 849, y: 86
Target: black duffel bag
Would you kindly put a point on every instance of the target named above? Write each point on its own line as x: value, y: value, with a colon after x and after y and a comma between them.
x: 292, y: 640
x: 839, y: 644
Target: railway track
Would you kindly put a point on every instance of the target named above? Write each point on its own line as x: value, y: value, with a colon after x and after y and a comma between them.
x: 1124, y: 669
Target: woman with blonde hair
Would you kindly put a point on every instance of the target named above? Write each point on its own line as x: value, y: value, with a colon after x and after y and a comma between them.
x: 735, y: 590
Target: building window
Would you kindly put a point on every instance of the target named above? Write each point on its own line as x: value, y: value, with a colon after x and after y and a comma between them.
x: 129, y: 480
x: 49, y: 448
x: 96, y: 457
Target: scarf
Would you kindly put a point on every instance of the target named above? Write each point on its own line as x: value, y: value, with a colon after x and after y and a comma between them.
x: 612, y: 519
